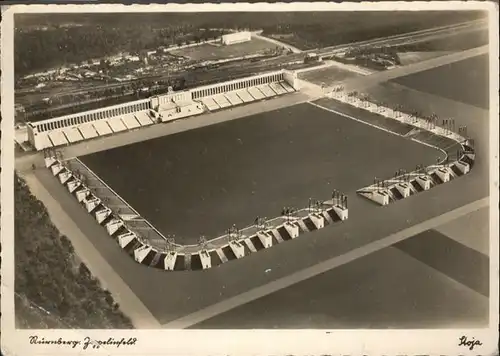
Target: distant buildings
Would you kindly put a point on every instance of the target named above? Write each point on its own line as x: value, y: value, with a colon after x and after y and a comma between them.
x: 238, y: 37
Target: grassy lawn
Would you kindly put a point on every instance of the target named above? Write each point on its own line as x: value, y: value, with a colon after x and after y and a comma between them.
x: 328, y: 76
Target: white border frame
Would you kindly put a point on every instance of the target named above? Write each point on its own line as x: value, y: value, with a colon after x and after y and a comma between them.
x: 353, y: 342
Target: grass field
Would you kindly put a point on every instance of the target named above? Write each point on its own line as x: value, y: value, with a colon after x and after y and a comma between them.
x: 214, y: 52
x: 204, y: 180
x: 327, y: 76
x: 465, y: 81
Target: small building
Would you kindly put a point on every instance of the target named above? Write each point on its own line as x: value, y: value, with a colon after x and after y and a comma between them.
x: 238, y: 37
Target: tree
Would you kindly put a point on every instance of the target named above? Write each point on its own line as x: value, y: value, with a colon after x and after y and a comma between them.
x: 48, y: 277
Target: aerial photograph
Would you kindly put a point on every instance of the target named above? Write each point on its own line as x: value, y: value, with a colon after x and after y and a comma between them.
x: 252, y: 170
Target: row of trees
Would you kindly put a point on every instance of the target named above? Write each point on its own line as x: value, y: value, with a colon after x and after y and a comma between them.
x: 51, y: 286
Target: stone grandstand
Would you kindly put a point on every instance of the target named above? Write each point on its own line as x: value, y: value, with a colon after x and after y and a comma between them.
x: 164, y: 108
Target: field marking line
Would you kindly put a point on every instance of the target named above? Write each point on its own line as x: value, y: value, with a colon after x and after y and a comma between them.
x: 355, y: 119
x: 130, y: 304
x: 307, y: 273
x: 119, y: 197
x: 99, y: 179
x: 381, y: 128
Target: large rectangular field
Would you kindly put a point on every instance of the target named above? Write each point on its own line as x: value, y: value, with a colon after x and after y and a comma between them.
x: 202, y: 181
x: 214, y: 52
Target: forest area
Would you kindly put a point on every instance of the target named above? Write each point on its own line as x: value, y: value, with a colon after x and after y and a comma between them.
x: 44, y: 41
x: 52, y: 288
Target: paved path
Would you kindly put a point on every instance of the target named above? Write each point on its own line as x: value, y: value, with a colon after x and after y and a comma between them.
x: 228, y: 304
x: 276, y: 42
x: 129, y: 303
